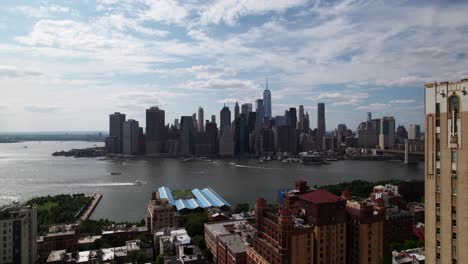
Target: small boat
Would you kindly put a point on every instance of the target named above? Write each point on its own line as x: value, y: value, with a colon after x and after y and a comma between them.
x: 25, y: 146
x: 232, y: 163
x: 138, y: 182
x: 286, y: 161
x: 331, y: 159
x: 261, y: 161
x: 311, y: 159
x: 115, y: 173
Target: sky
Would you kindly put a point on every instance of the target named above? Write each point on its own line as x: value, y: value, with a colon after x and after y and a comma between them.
x: 65, y: 65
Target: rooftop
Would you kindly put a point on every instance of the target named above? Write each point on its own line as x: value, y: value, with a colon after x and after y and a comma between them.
x: 204, y: 198
x: 234, y: 242
x: 320, y: 197
x: 179, y: 236
x: 88, y: 239
x: 56, y: 255
x: 227, y: 227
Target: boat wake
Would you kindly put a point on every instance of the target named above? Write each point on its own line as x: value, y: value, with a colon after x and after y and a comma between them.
x: 256, y: 167
x: 103, y: 184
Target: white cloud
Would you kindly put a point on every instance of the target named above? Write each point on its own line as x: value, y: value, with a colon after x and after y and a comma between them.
x: 229, y: 11
x: 44, y: 11
x: 227, y: 101
x: 8, y: 71
x: 405, y: 101
x: 169, y: 11
x: 374, y: 106
x: 343, y: 98
x: 220, y: 85
x: 122, y: 23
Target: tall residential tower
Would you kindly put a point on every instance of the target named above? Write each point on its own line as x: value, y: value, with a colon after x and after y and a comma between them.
x: 320, y: 123
x: 225, y: 118
x: 155, y: 130
x: 446, y: 171
x: 116, y: 122
x: 201, y: 120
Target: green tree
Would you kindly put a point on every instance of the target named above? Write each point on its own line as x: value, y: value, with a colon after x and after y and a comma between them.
x: 194, y: 223
x: 160, y: 259
x: 137, y: 257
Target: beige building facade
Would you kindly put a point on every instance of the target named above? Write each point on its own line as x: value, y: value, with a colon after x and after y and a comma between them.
x: 446, y: 172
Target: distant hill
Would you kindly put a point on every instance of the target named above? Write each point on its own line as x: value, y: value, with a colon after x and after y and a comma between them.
x: 53, y: 136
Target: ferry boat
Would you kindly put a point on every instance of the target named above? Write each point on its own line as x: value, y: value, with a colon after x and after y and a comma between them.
x: 311, y: 159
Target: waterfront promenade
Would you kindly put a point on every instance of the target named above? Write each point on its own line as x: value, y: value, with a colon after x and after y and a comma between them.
x: 89, y: 207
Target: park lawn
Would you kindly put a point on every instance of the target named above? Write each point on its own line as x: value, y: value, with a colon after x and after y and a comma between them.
x: 59, y: 209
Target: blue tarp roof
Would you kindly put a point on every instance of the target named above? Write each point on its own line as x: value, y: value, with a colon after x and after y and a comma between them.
x: 203, y: 199
x: 165, y: 193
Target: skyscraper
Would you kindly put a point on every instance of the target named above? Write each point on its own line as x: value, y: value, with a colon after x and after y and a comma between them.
x: 414, y: 132
x: 267, y: 101
x: 300, y: 124
x: 306, y: 122
x: 225, y: 115
x: 130, y: 139
x: 446, y: 185
x: 213, y: 119
x: 292, y: 117
x: 186, y: 135
x: 260, y: 113
x: 387, y: 132
x: 201, y: 120
x: 236, y: 111
x: 194, y: 120
x: 320, y: 122
x: 116, y: 121
x: 155, y: 130
x: 246, y: 109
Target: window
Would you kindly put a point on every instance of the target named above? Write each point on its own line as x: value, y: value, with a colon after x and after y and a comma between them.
x: 438, y: 243
x: 454, y: 106
x: 437, y: 109
x: 454, y: 222
x: 454, y: 156
x: 454, y: 235
x: 437, y: 141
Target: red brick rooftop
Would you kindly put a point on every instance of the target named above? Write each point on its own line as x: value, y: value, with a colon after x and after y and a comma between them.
x: 321, y: 196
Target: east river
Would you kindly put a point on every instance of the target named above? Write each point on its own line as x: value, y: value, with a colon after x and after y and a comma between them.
x: 27, y: 169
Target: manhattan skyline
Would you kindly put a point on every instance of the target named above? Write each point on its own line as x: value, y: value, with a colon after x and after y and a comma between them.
x: 67, y: 65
